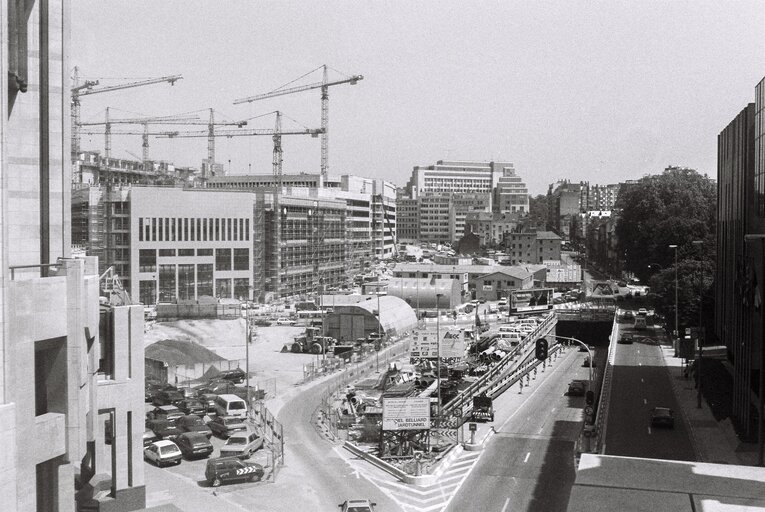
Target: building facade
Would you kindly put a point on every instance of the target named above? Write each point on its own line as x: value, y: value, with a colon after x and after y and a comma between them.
x: 56, y: 384
x: 533, y: 247
x: 492, y: 228
x: 738, y: 296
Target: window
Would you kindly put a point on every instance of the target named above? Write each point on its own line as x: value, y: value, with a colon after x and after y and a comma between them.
x: 167, y: 283
x: 204, y: 230
x: 216, y: 237
x: 242, y: 288
x: 140, y: 229
x: 185, y: 252
x: 172, y: 230
x: 147, y: 291
x: 222, y: 259
x: 167, y: 252
x: 147, y: 261
x: 186, y: 282
x: 229, y: 225
x: 205, y: 280
x: 223, y: 288
x: 241, y: 259
x: 204, y: 252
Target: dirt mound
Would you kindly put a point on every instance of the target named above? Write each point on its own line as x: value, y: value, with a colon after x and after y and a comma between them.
x: 180, y: 352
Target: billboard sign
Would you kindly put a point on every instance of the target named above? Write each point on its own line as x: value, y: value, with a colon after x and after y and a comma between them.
x: 453, y: 343
x: 531, y: 300
x: 425, y: 345
x: 407, y: 413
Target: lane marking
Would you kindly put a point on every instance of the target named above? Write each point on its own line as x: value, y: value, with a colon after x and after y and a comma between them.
x: 525, y: 460
x: 649, y: 430
x: 641, y: 380
x: 507, y: 502
x: 645, y: 401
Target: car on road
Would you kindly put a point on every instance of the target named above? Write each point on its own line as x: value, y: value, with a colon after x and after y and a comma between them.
x: 163, y: 453
x: 224, y: 426
x: 194, y: 445
x: 628, y: 314
x: 576, y: 388
x: 193, y: 423
x: 662, y: 417
x: 626, y: 338
x: 642, y: 311
x: 284, y: 321
x: 262, y: 322
x: 357, y: 506
x: 587, y: 362
x: 242, y: 445
x: 221, y: 470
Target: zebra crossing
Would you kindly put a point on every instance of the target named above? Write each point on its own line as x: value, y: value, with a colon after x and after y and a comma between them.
x: 431, y: 498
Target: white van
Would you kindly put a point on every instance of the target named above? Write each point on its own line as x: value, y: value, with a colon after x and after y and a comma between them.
x: 507, y: 328
x: 230, y: 405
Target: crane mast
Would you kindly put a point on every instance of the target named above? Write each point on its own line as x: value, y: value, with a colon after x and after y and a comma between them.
x: 324, y: 85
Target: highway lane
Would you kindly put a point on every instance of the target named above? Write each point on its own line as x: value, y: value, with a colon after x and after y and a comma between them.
x: 529, y: 464
x: 641, y: 381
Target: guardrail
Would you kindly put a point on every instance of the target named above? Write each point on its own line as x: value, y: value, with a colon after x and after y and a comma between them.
x: 496, y: 371
x: 601, y: 419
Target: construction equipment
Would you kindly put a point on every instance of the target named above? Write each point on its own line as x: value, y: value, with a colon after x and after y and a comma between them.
x: 324, y: 85
x: 86, y: 88
x: 111, y: 288
x: 311, y: 341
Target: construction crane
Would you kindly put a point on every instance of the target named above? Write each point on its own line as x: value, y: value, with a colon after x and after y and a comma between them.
x: 145, y: 134
x: 86, y: 88
x: 324, y: 85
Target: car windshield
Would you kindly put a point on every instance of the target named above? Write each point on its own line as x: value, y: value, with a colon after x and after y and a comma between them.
x: 236, y: 440
x: 362, y: 508
x: 236, y: 405
x: 231, y: 421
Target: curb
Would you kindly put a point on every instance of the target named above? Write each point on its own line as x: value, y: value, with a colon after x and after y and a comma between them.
x: 480, y: 445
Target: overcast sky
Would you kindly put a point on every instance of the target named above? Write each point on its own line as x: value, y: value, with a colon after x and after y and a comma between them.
x: 597, y: 91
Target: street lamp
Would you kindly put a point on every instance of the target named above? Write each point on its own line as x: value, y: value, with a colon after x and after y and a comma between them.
x: 438, y: 348
x: 677, y: 327
x: 379, y: 338
x: 580, y: 342
x: 700, y: 245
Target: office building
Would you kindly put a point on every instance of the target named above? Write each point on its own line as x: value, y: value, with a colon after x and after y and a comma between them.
x: 739, y: 273
x: 533, y: 247
x: 68, y: 364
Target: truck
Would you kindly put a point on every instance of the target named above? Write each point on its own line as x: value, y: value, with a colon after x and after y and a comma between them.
x: 311, y: 342
x: 483, y: 409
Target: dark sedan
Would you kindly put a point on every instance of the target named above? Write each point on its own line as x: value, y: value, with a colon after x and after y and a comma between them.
x: 192, y: 406
x: 164, y: 429
x: 224, y: 426
x: 194, y: 445
x: 193, y: 423
x: 662, y: 417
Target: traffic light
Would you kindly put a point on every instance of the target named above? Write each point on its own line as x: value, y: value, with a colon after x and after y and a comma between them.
x: 541, y: 350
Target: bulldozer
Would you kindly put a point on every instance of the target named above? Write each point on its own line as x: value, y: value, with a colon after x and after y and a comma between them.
x: 311, y: 341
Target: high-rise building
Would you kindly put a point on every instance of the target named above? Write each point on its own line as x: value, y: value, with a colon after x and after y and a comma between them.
x: 72, y: 370
x: 739, y: 275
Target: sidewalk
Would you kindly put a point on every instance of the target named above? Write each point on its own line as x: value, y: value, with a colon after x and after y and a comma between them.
x: 713, y: 441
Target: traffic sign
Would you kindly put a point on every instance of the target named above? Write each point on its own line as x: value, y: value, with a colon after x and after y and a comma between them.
x: 472, y: 427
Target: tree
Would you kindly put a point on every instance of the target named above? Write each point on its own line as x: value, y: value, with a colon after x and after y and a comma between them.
x: 538, y: 211
x: 675, y: 207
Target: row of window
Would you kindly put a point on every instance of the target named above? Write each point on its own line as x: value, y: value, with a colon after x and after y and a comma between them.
x: 184, y: 229
x: 178, y: 282
x: 225, y: 259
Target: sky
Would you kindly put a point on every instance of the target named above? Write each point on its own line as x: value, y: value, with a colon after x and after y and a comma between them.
x: 586, y: 91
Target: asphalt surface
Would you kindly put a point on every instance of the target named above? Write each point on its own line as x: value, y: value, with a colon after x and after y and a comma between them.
x: 529, y: 464
x: 640, y: 382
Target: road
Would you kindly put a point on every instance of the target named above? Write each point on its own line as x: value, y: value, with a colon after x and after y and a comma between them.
x: 640, y: 382
x: 529, y: 463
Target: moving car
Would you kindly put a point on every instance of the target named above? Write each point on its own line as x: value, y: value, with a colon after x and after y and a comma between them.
x: 626, y: 339
x: 357, y: 506
x: 224, y: 426
x: 193, y: 423
x: 576, y: 388
x: 222, y: 470
x: 284, y: 321
x: 241, y: 444
x: 194, y: 444
x: 662, y: 417
x: 163, y: 453
x: 587, y: 362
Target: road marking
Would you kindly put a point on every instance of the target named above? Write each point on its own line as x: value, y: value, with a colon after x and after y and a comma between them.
x: 507, y: 502
x: 649, y: 430
x: 641, y: 380
x: 645, y: 401
x: 640, y: 364
x: 525, y: 460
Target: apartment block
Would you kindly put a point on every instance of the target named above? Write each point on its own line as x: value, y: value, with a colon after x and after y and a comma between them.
x: 492, y: 228
x: 533, y: 247
x: 62, y: 370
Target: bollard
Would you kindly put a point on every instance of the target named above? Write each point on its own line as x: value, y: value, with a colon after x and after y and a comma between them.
x: 520, y: 382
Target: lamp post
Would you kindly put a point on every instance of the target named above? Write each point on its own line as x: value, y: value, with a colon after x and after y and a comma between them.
x: 379, y: 337
x: 676, y: 337
x: 580, y: 342
x: 700, y: 245
x: 760, y: 434
x: 438, y: 348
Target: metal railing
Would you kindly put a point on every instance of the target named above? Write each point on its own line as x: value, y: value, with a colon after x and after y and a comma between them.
x: 601, y: 419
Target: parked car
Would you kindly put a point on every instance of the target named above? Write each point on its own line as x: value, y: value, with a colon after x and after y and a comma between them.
x: 241, y: 444
x: 216, y: 387
x: 628, y: 314
x: 194, y: 444
x: 284, y: 321
x: 193, y: 423
x: 236, y: 375
x: 224, y: 426
x: 357, y: 506
x: 662, y: 417
x: 208, y: 400
x: 262, y: 322
x: 149, y: 437
x: 192, y: 406
x: 165, y: 412
x: 626, y: 338
x: 168, y: 397
x: 164, y: 429
x: 163, y: 453
x: 221, y: 470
